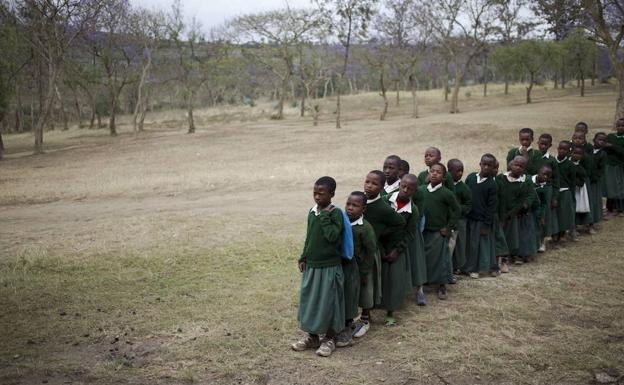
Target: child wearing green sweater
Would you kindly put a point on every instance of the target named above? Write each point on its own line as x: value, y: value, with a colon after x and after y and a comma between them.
x: 567, y: 182
x: 599, y: 156
x: 321, y: 299
x: 463, y: 195
x: 433, y: 155
x: 441, y: 211
x: 525, y: 137
x: 614, y: 170
x: 551, y: 226
x: 391, y: 167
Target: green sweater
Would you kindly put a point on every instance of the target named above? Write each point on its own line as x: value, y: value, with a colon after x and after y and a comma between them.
x: 440, y: 208
x: 544, y: 193
x: 599, y: 159
x: 580, y: 174
x: 513, y: 197
x: 364, y: 246
x: 615, y: 152
x: 532, y: 162
x: 464, y: 198
x: 484, y: 199
x: 447, y: 182
x: 322, y: 246
x: 554, y: 180
x: 388, y: 225
x: 412, y: 222
x: 567, y: 174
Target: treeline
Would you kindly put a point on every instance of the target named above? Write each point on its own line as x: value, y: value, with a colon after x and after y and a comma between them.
x: 85, y: 61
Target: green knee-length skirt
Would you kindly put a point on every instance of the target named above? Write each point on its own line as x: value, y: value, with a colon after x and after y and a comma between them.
x: 321, y: 300
x: 459, y: 254
x: 351, y: 288
x: 437, y: 256
x: 527, y: 231
x: 396, y: 282
x: 511, y: 229
x: 566, y: 211
x: 418, y: 264
x: 614, y: 181
x: 595, y: 201
x: 500, y: 244
x: 480, y: 249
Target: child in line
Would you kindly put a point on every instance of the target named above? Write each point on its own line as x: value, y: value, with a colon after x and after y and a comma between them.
x: 388, y: 227
x: 441, y: 212
x: 542, y: 186
x: 567, y: 181
x: 525, y: 137
x: 433, y: 155
x: 463, y: 195
x: 391, y: 167
x: 395, y: 272
x: 596, y: 181
x: 585, y: 216
x: 404, y: 168
x: 614, y: 170
x: 550, y: 226
x: 581, y: 197
x: 584, y: 128
x: 480, y: 234
x: 321, y: 299
x: 501, y: 249
x: 514, y: 198
x: 359, y: 272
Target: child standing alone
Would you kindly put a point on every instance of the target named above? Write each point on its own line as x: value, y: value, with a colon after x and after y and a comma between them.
x: 321, y: 300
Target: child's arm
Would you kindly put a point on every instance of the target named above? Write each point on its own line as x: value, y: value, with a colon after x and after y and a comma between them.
x: 454, y: 211
x: 465, y: 200
x: 331, y: 224
x: 579, y: 179
x: 302, y: 259
x: 520, y: 201
x: 369, y: 249
x: 555, y: 183
x: 492, y: 201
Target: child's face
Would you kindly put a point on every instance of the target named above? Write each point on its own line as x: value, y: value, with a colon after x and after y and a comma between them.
x: 456, y: 172
x: 407, y: 188
x: 431, y: 157
x: 354, y: 207
x: 487, y: 167
x: 619, y: 126
x: 322, y: 195
x: 544, y: 144
x: 578, y: 138
x: 372, y: 185
x: 402, y: 171
x: 581, y: 127
x: 563, y: 150
x: 516, y: 168
x: 436, y: 174
x: 391, y: 170
x: 577, y: 154
x: 600, y: 141
x: 495, y: 169
x: 525, y: 139
x: 544, y: 174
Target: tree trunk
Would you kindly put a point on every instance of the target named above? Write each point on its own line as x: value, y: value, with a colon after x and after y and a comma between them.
x: 506, y: 85
x: 398, y: 94
x: 582, y: 84
x: 445, y: 85
x: 113, y: 106
x: 19, y: 121
x: 143, y: 112
x: 413, y: 87
x: 139, y: 100
x: 306, y: 91
x: 563, y: 74
x: 62, y: 109
x: 382, y: 85
x: 1, y: 145
x: 455, y: 98
x: 78, y: 110
x: 189, y: 106
x: 325, y: 88
x: 350, y: 85
x: 338, y: 104
x: 556, y: 80
x: 485, y: 76
x: 99, y: 120
x: 529, y: 88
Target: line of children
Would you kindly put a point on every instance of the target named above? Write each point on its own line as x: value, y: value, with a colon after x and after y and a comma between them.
x: 410, y: 231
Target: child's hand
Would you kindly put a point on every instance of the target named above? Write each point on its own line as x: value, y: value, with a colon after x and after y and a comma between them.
x: 444, y: 231
x: 363, y: 281
x: 484, y: 231
x: 302, y: 266
x: 524, y: 151
x: 554, y: 204
x: 542, y: 221
x: 392, y: 256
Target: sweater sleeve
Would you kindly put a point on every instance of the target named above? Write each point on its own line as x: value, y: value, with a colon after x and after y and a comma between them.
x: 331, y: 225
x: 519, y: 202
x: 395, y: 229
x: 302, y: 258
x: 579, y: 180
x: 555, y: 181
x: 454, y: 211
x: 369, y: 249
x: 465, y: 200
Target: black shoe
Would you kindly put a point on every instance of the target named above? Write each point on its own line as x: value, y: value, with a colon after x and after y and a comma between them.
x: 452, y: 279
x: 442, y: 294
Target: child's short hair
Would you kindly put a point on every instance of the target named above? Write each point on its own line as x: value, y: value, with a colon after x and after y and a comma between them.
x: 547, y: 137
x: 394, y: 157
x: 526, y: 130
x: 437, y: 150
x: 361, y: 195
x: 487, y: 155
x: 577, y: 147
x: 565, y: 143
x: 380, y: 174
x: 404, y: 165
x: 454, y: 163
x: 328, y: 182
x: 599, y: 134
x: 581, y: 124
x: 441, y: 165
x: 545, y: 166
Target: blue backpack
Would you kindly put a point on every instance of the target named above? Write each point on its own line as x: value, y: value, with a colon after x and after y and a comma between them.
x: 347, y: 237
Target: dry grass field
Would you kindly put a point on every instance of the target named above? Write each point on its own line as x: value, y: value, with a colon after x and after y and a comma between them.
x: 171, y: 258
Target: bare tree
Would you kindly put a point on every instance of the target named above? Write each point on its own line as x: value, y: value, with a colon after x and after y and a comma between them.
x: 606, y: 23
x: 276, y: 37
x: 349, y: 19
x: 461, y: 29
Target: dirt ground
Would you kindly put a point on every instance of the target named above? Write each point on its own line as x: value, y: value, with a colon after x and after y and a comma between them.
x: 170, y: 258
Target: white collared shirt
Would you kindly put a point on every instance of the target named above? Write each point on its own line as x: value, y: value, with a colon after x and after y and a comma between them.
x: 432, y: 189
x: 561, y: 161
x: 534, y: 179
x: 359, y: 221
x: 369, y: 201
x: 393, y: 202
x: 480, y: 179
x: 528, y: 149
x: 393, y: 186
x: 597, y: 150
x: 316, y: 210
x: 514, y: 180
x: 575, y: 163
x: 546, y: 155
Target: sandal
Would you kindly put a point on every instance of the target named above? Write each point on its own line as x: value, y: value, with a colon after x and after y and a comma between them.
x: 390, y: 321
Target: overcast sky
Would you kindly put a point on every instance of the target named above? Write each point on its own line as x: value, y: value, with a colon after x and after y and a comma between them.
x: 212, y: 13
